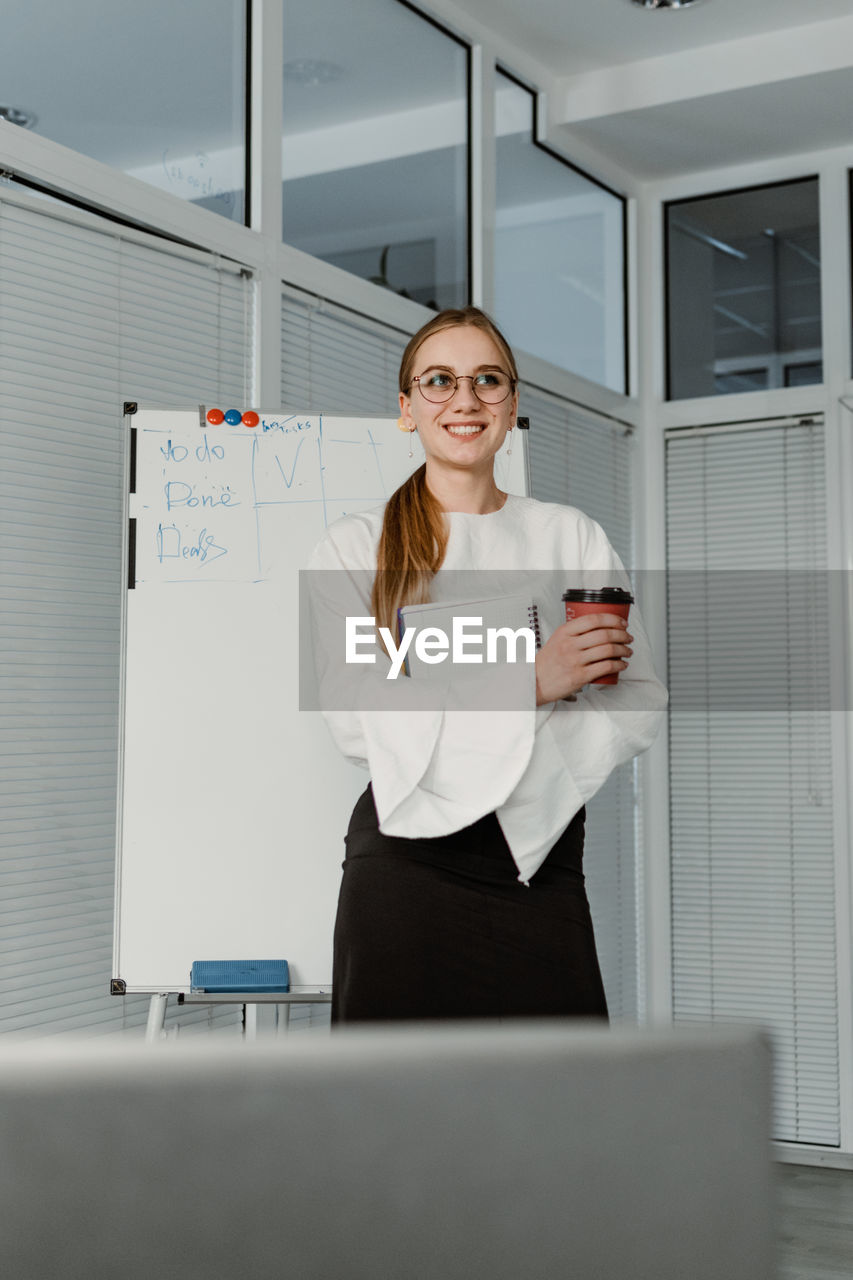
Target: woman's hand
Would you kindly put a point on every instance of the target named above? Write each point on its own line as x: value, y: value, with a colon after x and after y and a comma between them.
x: 580, y: 651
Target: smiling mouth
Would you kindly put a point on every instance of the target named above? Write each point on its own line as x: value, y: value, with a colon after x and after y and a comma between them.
x: 463, y: 429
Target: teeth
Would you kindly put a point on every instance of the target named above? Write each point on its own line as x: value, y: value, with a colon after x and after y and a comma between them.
x: 463, y: 429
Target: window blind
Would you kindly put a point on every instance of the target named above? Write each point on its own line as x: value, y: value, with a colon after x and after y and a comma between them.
x: 579, y: 458
x: 585, y: 461
x: 336, y: 361
x: 89, y: 317
x: 753, y: 897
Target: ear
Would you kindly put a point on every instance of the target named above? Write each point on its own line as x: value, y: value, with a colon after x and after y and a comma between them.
x: 406, y: 420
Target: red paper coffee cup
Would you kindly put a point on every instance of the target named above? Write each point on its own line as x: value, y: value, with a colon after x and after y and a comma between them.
x: 583, y: 600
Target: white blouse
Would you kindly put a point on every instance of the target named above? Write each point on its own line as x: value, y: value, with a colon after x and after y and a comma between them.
x: 436, y: 767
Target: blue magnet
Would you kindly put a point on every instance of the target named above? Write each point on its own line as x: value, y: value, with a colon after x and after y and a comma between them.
x: 233, y: 416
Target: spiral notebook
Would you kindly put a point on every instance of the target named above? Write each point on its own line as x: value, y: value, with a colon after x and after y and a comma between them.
x: 496, y: 612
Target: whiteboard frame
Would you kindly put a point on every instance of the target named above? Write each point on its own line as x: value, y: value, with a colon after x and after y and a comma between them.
x: 125, y: 980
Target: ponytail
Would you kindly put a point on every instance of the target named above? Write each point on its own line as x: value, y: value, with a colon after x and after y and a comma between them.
x: 411, y: 548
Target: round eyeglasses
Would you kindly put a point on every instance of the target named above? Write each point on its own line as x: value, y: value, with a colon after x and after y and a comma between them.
x: 440, y: 385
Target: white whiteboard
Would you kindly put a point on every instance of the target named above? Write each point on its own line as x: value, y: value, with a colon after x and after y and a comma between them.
x: 233, y: 804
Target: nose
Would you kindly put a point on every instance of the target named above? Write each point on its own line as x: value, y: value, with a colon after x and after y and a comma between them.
x: 465, y: 396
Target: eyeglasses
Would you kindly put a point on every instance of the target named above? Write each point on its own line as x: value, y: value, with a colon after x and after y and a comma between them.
x: 440, y: 385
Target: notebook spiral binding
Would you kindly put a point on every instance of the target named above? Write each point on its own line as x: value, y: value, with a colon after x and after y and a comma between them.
x: 533, y: 622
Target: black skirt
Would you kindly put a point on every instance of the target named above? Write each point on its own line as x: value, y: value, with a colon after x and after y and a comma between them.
x: 443, y: 928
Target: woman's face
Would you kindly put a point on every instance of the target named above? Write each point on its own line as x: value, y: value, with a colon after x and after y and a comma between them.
x: 463, y: 432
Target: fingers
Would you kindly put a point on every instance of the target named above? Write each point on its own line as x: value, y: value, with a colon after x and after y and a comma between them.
x: 616, y: 640
x: 607, y: 653
x: 569, y: 662
x: 581, y: 651
x: 591, y: 641
x: 603, y: 642
x: 589, y: 622
x: 611, y: 667
x: 603, y: 650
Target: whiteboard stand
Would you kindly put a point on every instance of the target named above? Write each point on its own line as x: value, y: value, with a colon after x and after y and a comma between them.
x: 155, y: 1029
x: 156, y: 1018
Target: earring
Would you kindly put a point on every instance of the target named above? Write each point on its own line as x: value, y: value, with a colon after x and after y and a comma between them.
x: 402, y: 425
x: 509, y: 442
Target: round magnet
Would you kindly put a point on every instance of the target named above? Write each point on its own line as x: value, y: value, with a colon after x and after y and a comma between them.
x: 250, y: 418
x: 215, y: 416
x: 233, y: 416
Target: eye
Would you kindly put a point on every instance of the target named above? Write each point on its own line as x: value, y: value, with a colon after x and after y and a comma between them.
x: 438, y: 379
x: 488, y: 380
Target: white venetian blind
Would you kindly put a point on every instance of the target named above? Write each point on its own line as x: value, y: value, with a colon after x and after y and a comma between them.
x: 585, y: 461
x: 753, y: 889
x: 89, y: 316
x: 579, y: 458
x: 336, y: 361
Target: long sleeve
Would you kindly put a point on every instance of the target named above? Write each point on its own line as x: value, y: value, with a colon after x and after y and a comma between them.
x: 580, y: 743
x: 435, y: 765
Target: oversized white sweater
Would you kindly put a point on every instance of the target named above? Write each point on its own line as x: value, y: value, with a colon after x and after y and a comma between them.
x: 436, y: 768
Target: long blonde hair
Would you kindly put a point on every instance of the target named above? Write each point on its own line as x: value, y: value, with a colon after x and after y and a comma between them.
x: 413, y: 541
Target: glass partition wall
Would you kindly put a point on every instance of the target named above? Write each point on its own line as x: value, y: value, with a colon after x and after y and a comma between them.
x: 375, y: 139
x: 375, y: 146
x: 157, y: 90
x: 559, y: 251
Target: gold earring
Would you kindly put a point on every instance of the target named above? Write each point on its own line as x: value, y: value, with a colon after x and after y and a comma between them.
x: 509, y: 442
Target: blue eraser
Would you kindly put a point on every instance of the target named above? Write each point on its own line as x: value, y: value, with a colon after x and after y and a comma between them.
x: 240, y: 975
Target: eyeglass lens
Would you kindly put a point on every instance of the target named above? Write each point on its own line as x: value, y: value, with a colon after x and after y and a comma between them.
x: 439, y: 385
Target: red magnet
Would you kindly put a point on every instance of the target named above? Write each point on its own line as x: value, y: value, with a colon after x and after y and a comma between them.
x: 250, y: 418
x: 215, y: 416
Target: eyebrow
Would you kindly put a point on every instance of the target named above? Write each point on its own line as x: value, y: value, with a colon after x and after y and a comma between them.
x: 448, y: 368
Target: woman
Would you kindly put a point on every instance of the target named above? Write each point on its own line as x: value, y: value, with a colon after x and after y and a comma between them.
x: 463, y: 890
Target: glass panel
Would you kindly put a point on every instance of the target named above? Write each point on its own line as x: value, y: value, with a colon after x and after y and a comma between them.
x: 744, y: 290
x: 375, y: 145
x: 156, y: 91
x: 559, y: 252
x: 803, y: 375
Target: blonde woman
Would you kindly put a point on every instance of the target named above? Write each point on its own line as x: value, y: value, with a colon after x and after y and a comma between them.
x: 463, y: 889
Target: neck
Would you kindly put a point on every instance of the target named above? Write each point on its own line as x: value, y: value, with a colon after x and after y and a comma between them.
x: 462, y: 490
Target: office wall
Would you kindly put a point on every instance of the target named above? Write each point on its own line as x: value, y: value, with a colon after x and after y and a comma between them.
x: 259, y: 250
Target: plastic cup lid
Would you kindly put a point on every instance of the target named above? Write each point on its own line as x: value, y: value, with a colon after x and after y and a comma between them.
x: 604, y: 595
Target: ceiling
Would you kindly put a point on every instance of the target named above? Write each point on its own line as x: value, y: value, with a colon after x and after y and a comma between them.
x: 572, y: 37
x: 662, y: 92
